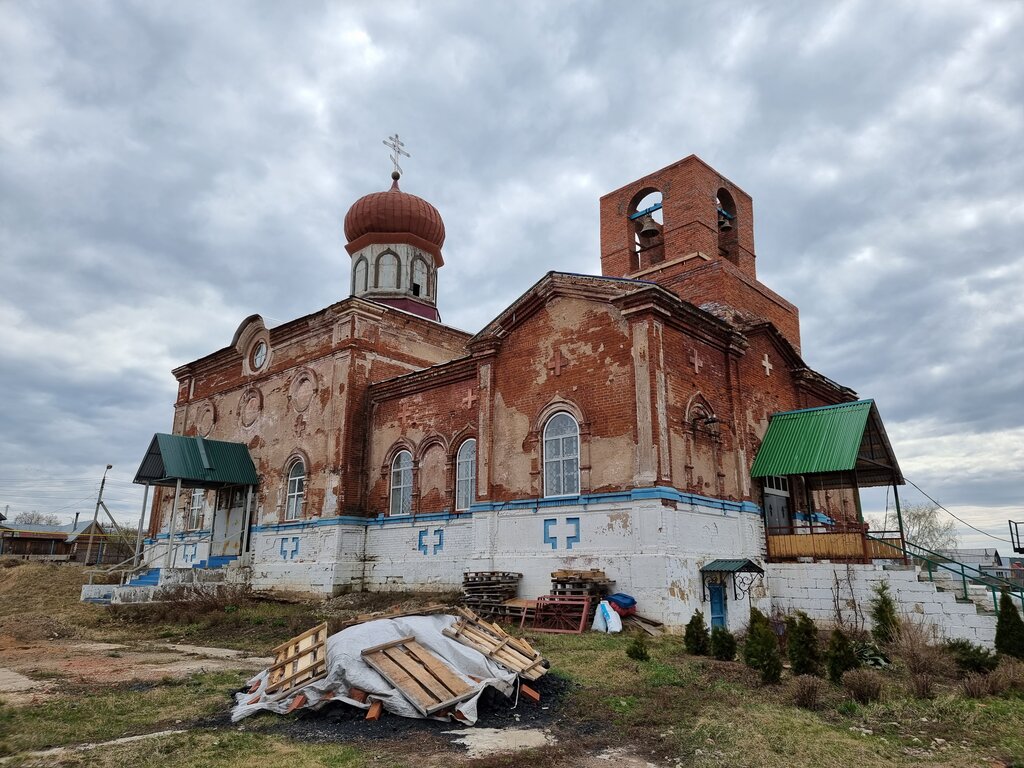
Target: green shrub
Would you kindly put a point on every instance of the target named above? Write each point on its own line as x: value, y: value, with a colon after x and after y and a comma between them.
x: 1009, y: 628
x: 802, y: 644
x: 637, y: 649
x: 723, y: 644
x: 883, y: 615
x: 761, y: 650
x: 840, y: 656
x: 697, y: 640
x: 970, y: 657
x: 869, y: 655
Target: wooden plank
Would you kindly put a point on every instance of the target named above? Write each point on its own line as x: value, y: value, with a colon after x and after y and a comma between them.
x: 357, y: 694
x: 399, y: 678
x: 375, y: 711
x: 388, y: 644
x: 418, y: 672
x: 298, y: 638
x: 439, y: 669
x: 298, y: 701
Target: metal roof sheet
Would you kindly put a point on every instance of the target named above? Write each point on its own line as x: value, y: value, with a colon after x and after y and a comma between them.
x: 740, y: 565
x: 197, y: 462
x: 825, y: 439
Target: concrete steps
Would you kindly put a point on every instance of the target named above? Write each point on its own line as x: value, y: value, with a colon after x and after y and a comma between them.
x: 156, y: 584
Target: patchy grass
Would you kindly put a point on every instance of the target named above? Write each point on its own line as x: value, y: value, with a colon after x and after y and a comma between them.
x: 205, y: 749
x: 84, y: 715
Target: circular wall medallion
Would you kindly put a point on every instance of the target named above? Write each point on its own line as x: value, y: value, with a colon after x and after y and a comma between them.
x: 205, y: 420
x: 258, y: 358
x: 302, y: 390
x: 249, y: 406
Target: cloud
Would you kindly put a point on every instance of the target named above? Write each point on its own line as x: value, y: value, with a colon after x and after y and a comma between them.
x: 167, y: 170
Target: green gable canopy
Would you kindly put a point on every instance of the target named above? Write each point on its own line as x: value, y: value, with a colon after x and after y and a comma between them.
x: 828, y: 440
x: 197, y: 462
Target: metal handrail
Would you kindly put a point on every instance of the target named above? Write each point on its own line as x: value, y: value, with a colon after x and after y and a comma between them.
x: 129, y: 572
x: 966, y: 573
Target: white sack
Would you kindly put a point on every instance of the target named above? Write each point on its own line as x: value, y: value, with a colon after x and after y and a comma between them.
x: 346, y: 669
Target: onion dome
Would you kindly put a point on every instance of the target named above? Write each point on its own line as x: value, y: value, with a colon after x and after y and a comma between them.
x: 394, y: 211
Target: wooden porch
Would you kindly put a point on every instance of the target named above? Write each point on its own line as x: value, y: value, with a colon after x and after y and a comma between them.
x: 842, y: 542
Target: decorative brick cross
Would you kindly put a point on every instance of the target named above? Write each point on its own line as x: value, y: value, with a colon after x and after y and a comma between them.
x: 767, y: 364
x: 469, y: 399
x: 404, y: 412
x: 555, y: 366
x: 696, y: 361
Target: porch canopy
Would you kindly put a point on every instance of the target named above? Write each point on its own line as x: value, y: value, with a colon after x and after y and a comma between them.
x: 196, y: 462
x: 835, y: 446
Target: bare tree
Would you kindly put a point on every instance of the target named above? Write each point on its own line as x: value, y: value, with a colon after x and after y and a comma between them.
x: 36, y: 518
x: 926, y: 526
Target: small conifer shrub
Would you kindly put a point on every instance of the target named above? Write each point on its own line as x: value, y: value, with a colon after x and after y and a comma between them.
x: 1009, y: 628
x: 637, y: 649
x: 761, y: 650
x: 883, y: 615
x: 971, y: 657
x: 840, y: 656
x: 723, y: 644
x: 804, y: 656
x: 696, y: 639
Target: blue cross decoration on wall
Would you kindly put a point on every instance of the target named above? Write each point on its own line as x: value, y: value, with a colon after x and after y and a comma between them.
x: 189, y: 553
x: 282, y: 548
x: 570, y: 532
x: 438, y: 544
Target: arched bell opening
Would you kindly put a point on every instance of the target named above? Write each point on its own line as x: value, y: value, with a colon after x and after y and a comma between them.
x: 647, y: 221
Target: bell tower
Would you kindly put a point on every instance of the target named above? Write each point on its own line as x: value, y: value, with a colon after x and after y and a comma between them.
x: 689, y: 229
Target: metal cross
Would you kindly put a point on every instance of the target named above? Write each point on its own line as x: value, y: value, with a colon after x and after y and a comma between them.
x: 767, y: 364
x: 696, y: 361
x: 396, y: 144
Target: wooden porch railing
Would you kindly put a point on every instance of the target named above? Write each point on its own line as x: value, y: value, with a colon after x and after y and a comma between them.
x: 844, y: 541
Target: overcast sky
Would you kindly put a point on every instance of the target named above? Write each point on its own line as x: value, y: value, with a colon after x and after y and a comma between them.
x: 167, y: 169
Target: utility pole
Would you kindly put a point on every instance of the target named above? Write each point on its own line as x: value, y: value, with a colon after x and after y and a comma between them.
x: 96, y: 512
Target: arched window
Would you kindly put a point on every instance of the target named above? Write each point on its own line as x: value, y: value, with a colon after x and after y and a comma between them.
x: 401, y: 484
x: 465, y: 476
x: 359, y: 277
x: 387, y: 271
x: 195, y: 509
x: 296, y: 490
x: 419, y: 278
x: 561, y: 456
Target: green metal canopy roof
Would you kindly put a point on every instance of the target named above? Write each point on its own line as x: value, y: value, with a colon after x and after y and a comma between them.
x: 732, y: 566
x: 829, y: 439
x: 197, y: 462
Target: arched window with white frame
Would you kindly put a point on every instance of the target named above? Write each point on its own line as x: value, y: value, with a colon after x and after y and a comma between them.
x: 401, y: 484
x: 359, y: 277
x: 195, y: 509
x: 561, y: 456
x: 465, y: 476
x: 387, y: 271
x: 296, y: 490
x: 419, y: 284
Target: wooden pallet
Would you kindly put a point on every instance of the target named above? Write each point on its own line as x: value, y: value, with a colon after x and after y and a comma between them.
x: 563, y: 614
x: 493, y: 642
x: 297, y: 663
x: 425, y: 680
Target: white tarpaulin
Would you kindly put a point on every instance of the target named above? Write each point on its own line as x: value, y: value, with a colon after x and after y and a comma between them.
x: 346, y: 669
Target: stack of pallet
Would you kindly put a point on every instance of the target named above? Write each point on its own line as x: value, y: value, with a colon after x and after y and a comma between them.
x: 486, y: 591
x: 492, y: 641
x: 592, y: 583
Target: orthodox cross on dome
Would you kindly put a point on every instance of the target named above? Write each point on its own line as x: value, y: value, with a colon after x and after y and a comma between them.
x: 469, y: 399
x: 396, y: 145
x: 696, y: 361
x: 555, y: 366
x: 767, y: 365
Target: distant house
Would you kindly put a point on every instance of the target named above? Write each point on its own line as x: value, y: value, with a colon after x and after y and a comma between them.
x: 62, y: 543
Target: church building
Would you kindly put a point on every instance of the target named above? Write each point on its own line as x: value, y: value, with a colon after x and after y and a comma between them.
x: 604, y: 421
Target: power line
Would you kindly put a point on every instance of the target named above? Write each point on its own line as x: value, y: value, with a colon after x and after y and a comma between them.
x: 972, y: 527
